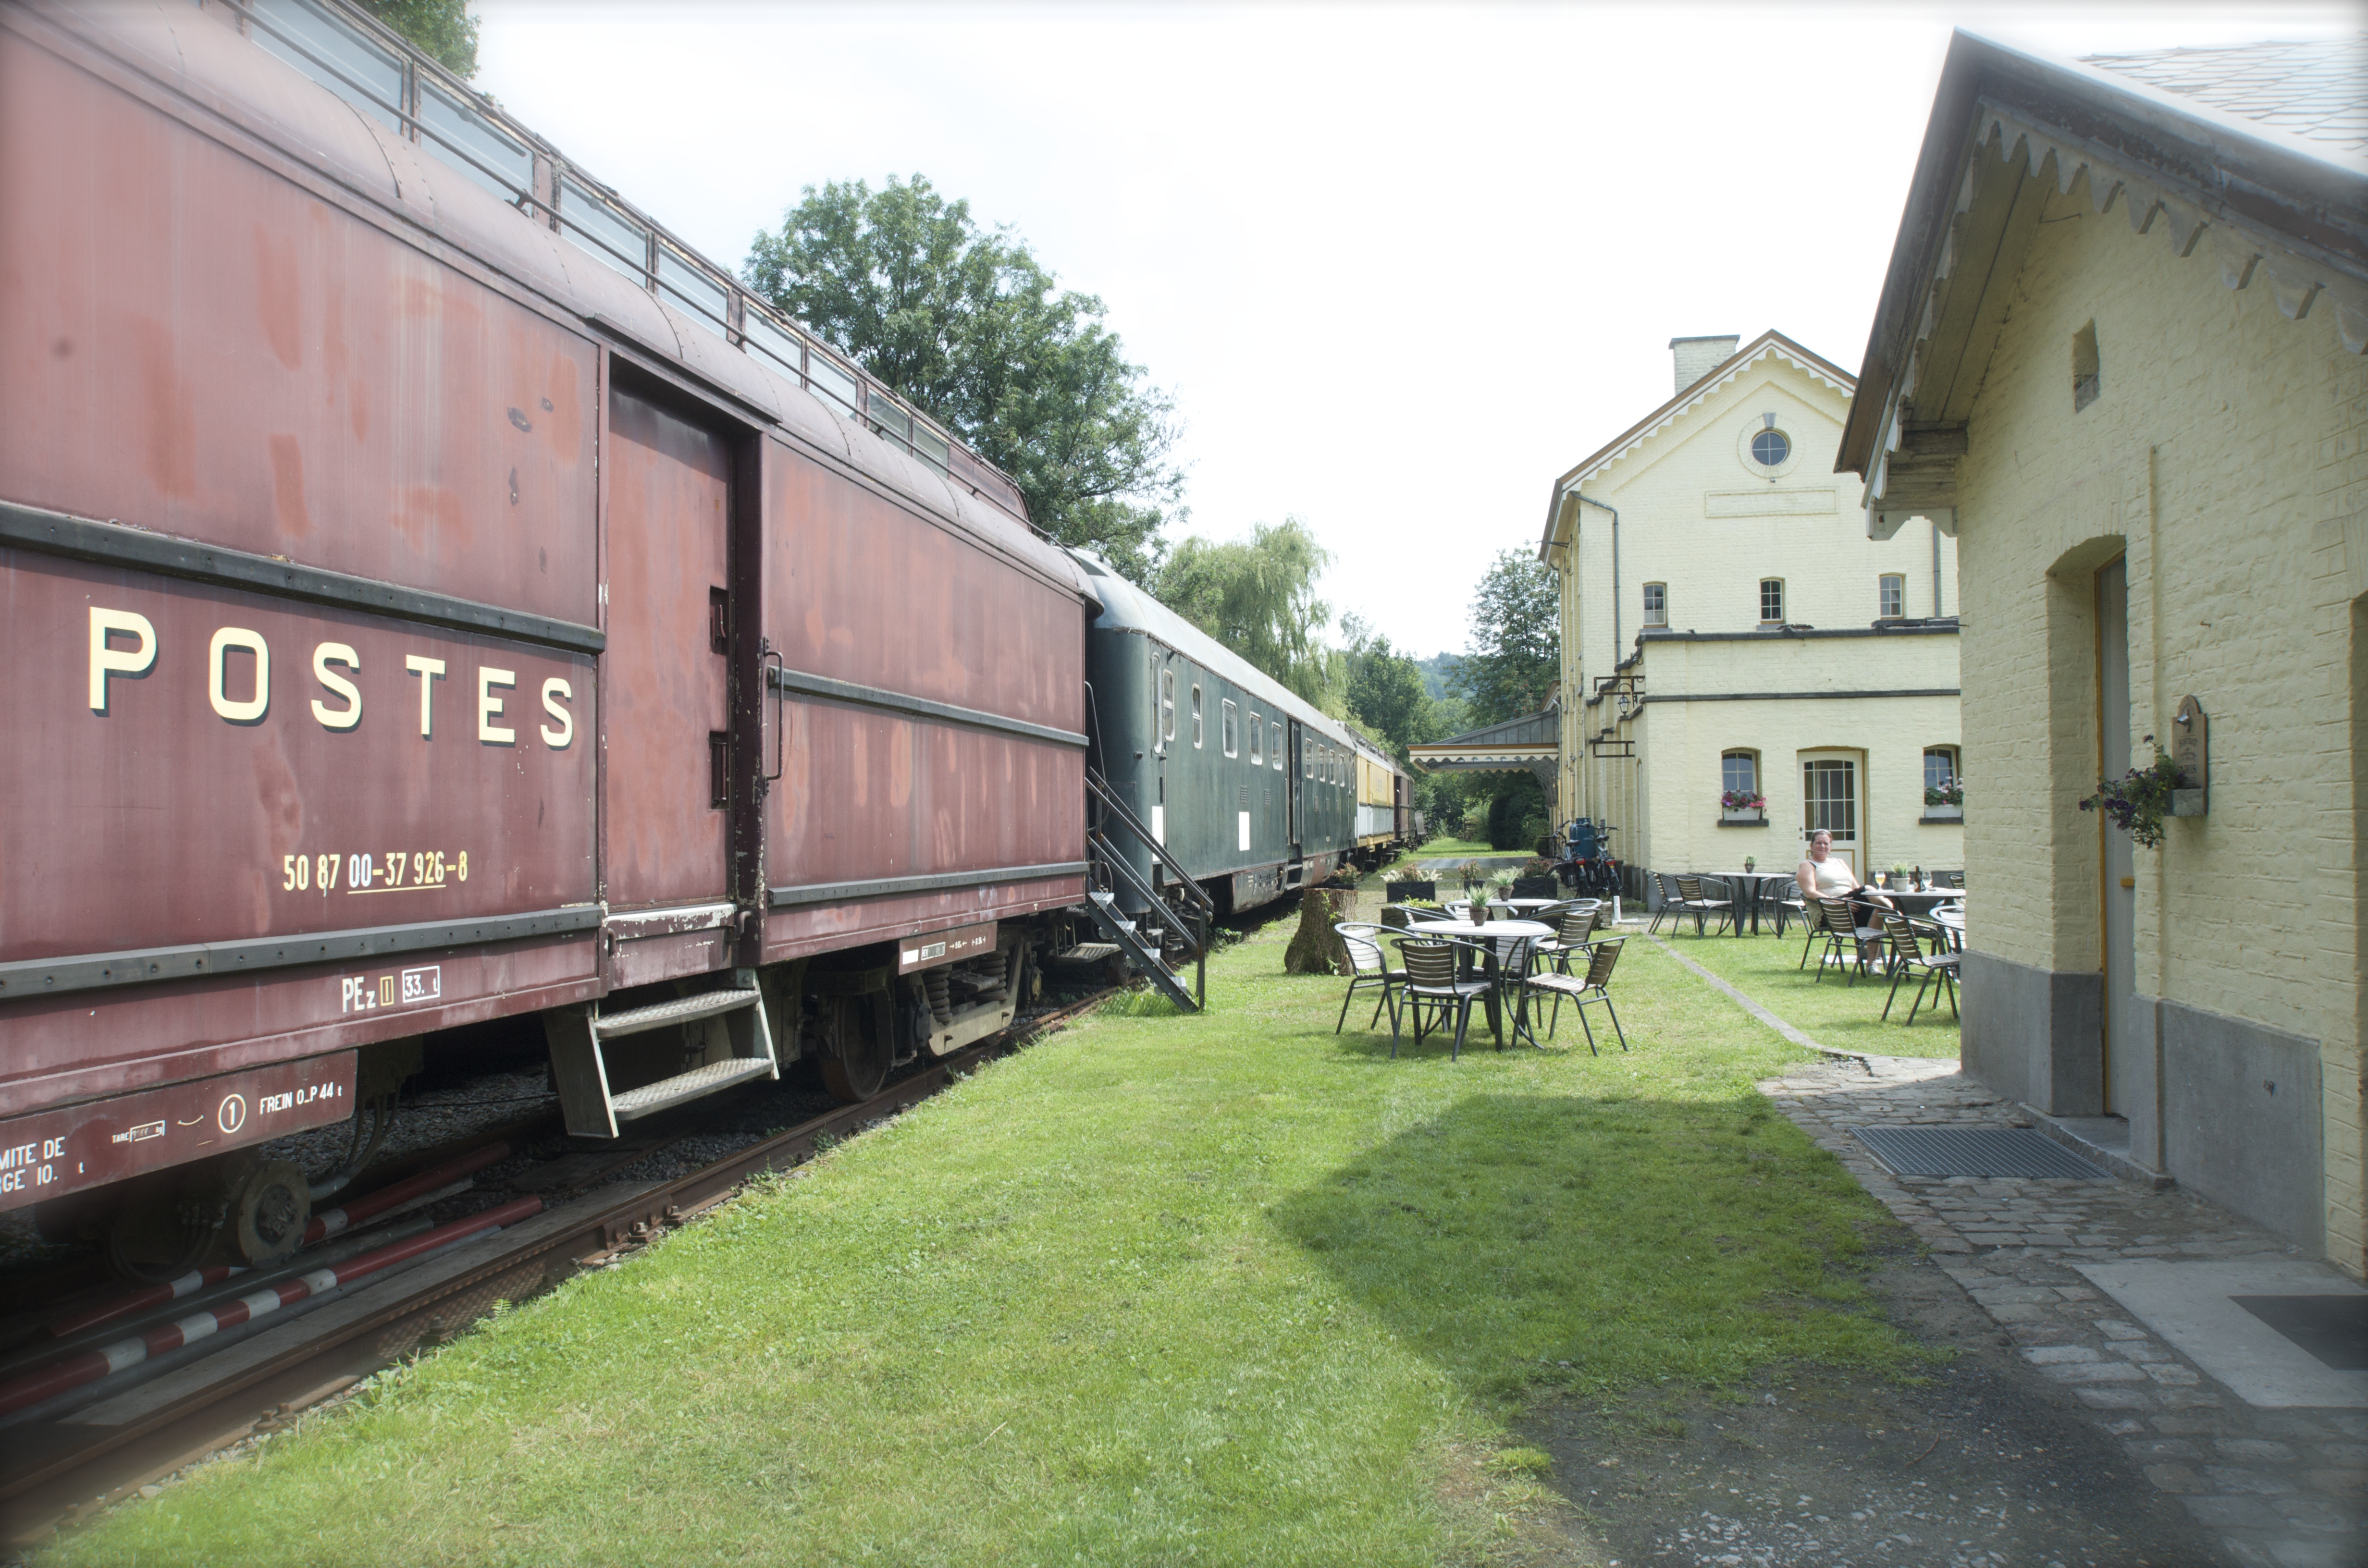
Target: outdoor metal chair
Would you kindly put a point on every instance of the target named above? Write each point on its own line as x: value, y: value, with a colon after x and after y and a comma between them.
x: 1846, y: 938
x: 1692, y: 898
x: 1949, y: 879
x: 1368, y: 966
x: 1813, y: 919
x: 1581, y: 991
x: 1432, y: 982
x: 1789, y: 905
x: 1906, y: 953
x: 1670, y: 906
x: 1576, y: 934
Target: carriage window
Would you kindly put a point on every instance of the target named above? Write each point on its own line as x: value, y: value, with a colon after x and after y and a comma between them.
x: 1168, y: 705
x: 612, y: 239
x: 1257, y: 732
x: 1196, y: 713
x: 1233, y: 728
x: 1274, y: 743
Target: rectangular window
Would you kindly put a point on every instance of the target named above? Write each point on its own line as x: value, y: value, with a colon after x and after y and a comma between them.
x: 1940, y: 766
x: 827, y: 378
x: 1771, y: 601
x: 1657, y: 604
x: 1829, y: 799
x: 1306, y: 758
x: 758, y: 333
x: 2087, y: 370
x: 1232, y: 728
x: 1197, y: 717
x: 691, y: 291
x: 474, y: 145
x: 333, y: 54
x: 1168, y: 705
x: 1891, y: 596
x: 1274, y: 745
x: 1739, y: 773
x: 1258, y: 749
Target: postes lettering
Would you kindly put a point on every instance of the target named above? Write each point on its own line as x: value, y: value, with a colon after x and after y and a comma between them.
x: 238, y: 680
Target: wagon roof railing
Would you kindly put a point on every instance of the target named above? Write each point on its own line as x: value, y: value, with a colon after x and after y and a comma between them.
x: 386, y: 76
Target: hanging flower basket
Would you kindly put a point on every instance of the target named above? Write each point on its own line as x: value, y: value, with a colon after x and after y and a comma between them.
x: 2139, y: 801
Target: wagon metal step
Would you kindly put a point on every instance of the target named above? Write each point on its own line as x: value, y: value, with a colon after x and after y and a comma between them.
x: 1145, y: 956
x: 665, y: 1092
x: 681, y: 1010
x: 580, y: 1068
x: 1089, y: 952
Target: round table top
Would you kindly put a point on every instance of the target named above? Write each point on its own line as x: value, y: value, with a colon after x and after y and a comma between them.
x: 1526, y: 902
x: 1927, y: 896
x: 1955, y: 917
x: 1493, y: 929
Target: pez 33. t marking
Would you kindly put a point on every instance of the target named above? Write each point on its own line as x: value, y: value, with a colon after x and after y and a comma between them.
x: 397, y: 988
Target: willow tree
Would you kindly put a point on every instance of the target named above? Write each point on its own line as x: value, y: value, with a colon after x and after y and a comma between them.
x: 1257, y: 596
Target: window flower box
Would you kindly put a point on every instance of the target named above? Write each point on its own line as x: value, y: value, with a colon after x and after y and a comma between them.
x: 1743, y: 807
x: 1943, y: 813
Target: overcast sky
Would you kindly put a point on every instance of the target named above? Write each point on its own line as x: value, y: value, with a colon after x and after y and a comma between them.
x: 1399, y: 265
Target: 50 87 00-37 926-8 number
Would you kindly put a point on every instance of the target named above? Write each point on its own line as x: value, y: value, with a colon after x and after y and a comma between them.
x: 372, y: 873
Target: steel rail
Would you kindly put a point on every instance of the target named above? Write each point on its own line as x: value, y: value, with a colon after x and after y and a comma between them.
x: 64, y: 1477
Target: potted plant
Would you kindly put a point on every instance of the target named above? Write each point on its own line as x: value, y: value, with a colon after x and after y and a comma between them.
x: 1897, y: 880
x: 1945, y: 802
x: 1750, y: 864
x: 1742, y: 805
x: 1472, y: 878
x: 2139, y: 801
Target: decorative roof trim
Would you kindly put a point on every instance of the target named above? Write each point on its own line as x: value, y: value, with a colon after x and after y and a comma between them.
x: 2297, y: 274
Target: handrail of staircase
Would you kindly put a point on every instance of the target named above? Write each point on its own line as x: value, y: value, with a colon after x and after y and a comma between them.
x: 1198, y: 931
x: 1195, y: 894
x: 1144, y: 891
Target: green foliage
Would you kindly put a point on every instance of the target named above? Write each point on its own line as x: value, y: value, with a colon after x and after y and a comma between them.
x: 2139, y: 803
x: 1514, y: 663
x: 442, y: 27
x: 1517, y: 812
x: 1385, y: 691
x: 971, y: 327
x: 1258, y: 597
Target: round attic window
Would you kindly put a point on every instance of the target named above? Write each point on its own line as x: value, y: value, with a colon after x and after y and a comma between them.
x: 1771, y: 448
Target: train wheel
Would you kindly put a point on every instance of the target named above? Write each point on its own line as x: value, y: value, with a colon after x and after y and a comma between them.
x: 861, y: 1051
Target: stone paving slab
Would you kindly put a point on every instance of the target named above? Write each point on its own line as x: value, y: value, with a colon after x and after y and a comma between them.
x: 2283, y: 1488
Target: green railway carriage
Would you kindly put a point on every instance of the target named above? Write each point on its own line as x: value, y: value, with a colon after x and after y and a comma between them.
x: 1244, y: 783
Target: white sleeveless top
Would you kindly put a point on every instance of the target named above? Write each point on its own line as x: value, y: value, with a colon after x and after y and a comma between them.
x: 1833, y: 876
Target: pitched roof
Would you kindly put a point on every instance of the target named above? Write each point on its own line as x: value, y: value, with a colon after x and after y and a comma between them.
x: 2256, y: 143
x: 1768, y: 342
x: 2316, y: 90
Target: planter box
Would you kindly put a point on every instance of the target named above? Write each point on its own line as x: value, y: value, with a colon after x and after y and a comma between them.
x: 2187, y: 803
x: 1398, y: 893
x: 1536, y: 886
x: 1944, y: 814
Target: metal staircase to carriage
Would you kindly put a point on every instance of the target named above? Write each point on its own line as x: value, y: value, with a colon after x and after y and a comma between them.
x: 1170, y: 926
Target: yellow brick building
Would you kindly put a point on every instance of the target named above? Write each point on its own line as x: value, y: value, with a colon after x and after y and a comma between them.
x: 2119, y: 355
x: 1729, y: 628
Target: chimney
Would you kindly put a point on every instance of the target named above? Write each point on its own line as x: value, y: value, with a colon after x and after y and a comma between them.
x: 1698, y: 356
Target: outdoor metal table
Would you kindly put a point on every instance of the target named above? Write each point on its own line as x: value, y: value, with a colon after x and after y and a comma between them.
x: 1536, y: 930
x: 1921, y: 904
x: 1521, y: 905
x: 1753, y: 886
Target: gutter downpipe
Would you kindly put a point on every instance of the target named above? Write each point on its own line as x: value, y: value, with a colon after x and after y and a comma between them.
x: 1591, y: 500
x: 1938, y: 609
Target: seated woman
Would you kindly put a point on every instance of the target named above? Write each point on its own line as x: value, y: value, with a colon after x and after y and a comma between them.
x: 1822, y: 876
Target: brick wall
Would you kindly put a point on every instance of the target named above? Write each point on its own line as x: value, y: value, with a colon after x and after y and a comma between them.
x: 2225, y: 455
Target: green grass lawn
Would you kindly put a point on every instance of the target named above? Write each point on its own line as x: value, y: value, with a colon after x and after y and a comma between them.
x: 1831, y: 1011
x: 1219, y: 1288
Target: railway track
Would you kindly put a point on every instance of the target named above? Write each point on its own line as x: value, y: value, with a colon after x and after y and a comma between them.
x: 57, y: 1470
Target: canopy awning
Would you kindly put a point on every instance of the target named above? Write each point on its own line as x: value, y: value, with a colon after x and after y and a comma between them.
x: 1531, y: 743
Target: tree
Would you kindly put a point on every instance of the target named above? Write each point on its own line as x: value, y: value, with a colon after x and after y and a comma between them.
x: 1386, y: 694
x: 1514, y: 663
x: 971, y: 327
x: 1258, y: 597
x: 442, y: 27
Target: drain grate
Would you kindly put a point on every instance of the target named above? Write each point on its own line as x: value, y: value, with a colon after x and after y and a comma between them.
x: 1974, y: 1151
